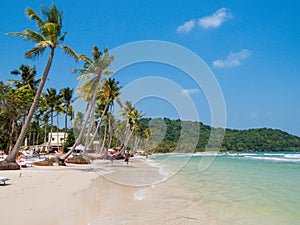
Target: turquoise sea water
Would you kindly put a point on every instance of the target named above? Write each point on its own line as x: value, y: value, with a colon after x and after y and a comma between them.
x: 242, y: 188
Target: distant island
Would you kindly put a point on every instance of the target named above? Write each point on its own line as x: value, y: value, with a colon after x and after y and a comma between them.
x: 258, y: 139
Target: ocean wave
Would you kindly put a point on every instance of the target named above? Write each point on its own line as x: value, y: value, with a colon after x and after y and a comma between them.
x: 274, y: 158
x: 161, y: 167
x: 207, y: 154
x: 292, y: 156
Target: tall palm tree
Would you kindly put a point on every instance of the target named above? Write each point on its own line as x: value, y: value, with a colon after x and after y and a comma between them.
x: 135, y: 126
x: 49, y: 35
x: 67, y: 94
x: 108, y: 94
x: 44, y: 115
x: 93, y: 71
x: 125, y: 113
x: 53, y: 101
x: 132, y: 125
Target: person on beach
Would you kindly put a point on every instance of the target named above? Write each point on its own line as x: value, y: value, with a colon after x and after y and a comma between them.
x: 111, y: 158
x: 127, y: 158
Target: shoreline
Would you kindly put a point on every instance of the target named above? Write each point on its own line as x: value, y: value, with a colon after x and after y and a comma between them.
x: 99, y: 193
x: 139, y: 202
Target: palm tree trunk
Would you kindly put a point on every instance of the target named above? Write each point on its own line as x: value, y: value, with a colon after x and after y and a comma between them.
x: 110, y: 130
x: 45, y: 132
x: 51, y: 130
x: 90, y: 127
x: 57, y: 130
x: 98, y: 125
x: 104, y: 139
x: 63, y: 157
x: 66, y: 126
x: 10, y: 134
x: 37, y: 138
x: 13, y: 154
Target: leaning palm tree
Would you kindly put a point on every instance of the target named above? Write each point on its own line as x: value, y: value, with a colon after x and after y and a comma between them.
x: 92, y: 71
x: 108, y: 95
x: 132, y: 117
x: 49, y: 35
x: 132, y: 126
x: 125, y: 113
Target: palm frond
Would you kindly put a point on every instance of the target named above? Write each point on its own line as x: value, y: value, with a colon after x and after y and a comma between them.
x: 62, y: 38
x: 15, y: 72
x: 84, y: 76
x: 35, y: 52
x: 34, y: 16
x: 119, y: 101
x: 24, y: 35
x: 86, y: 59
x: 78, y: 71
x: 35, y: 36
x: 9, y: 82
x: 69, y: 51
x: 29, y: 35
x: 44, y: 44
x: 107, y: 72
x: 52, y: 14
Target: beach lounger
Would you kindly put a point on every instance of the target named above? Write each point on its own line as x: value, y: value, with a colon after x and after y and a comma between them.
x: 3, y: 179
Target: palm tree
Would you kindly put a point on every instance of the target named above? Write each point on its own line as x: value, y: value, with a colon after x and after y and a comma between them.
x: 53, y: 101
x: 125, y: 113
x: 59, y: 109
x: 135, y: 126
x: 109, y: 93
x: 44, y: 115
x: 27, y: 74
x: 67, y: 94
x: 93, y: 69
x: 25, y: 88
x: 49, y: 35
x: 132, y: 116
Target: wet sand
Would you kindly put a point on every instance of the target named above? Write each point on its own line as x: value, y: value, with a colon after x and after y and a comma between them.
x: 133, y: 195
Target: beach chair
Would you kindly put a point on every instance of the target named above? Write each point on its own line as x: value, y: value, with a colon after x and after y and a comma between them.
x: 3, y: 180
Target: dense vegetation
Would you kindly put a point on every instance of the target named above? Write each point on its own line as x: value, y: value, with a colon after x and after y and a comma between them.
x: 259, y: 139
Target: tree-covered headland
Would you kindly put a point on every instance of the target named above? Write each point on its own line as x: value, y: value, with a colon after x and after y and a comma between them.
x: 257, y: 139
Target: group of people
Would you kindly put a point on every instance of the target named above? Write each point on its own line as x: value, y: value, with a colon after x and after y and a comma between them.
x: 126, y: 158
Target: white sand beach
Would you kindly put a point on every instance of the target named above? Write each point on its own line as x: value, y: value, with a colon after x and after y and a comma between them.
x: 82, y: 195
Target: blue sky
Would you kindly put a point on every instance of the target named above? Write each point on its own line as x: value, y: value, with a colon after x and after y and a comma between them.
x: 252, y: 47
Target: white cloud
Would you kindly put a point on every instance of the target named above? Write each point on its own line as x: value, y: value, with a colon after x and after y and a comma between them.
x: 233, y: 59
x: 190, y: 91
x: 215, y: 20
x: 187, y: 26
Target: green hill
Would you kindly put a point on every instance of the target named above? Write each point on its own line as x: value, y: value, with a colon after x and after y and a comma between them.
x: 166, y: 134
